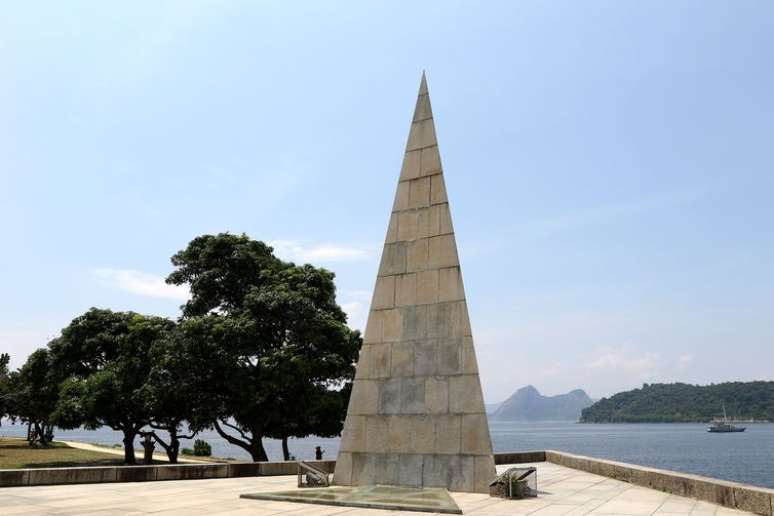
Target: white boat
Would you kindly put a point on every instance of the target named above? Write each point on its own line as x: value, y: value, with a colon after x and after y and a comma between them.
x: 724, y: 427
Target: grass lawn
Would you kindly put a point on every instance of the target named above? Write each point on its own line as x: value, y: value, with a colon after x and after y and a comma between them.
x: 15, y: 453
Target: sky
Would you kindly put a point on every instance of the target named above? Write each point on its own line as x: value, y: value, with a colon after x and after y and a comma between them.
x: 609, y: 165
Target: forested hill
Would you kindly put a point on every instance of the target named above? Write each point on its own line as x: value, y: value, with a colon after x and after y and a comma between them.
x: 680, y: 402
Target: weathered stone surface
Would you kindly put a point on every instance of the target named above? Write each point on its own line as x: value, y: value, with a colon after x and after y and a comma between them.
x: 752, y: 500
x: 416, y: 415
x: 136, y: 473
x: 84, y: 475
x: 10, y: 478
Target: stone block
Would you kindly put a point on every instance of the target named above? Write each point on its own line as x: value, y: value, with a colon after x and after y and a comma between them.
x: 399, y: 434
x: 425, y: 359
x: 364, y: 398
x: 427, y: 287
x: 412, y: 395
x: 406, y: 289
x: 442, y: 252
x: 410, y: 470
x: 423, y: 111
x: 417, y: 255
x: 14, y: 477
x: 374, y: 327
x: 444, y: 219
x: 363, y: 469
x: 408, y: 224
x: 392, y: 229
x: 363, y: 370
x: 353, y: 438
x: 484, y: 473
x: 393, y: 325
x: 411, y: 167
x: 192, y: 471
x: 430, y: 162
x: 751, y: 499
x: 437, y: 395
x: 243, y: 469
x: 462, y: 473
x: 437, y: 190
x: 84, y: 475
x: 448, y: 431
x: 136, y: 473
x: 435, y: 471
x: 464, y: 394
x: 343, y: 474
x: 401, y: 197
x: 393, y: 259
x: 384, y: 293
x: 450, y: 285
x: 379, y: 355
x: 415, y: 321
x: 468, y: 353
x: 387, y: 468
x: 422, y: 134
x: 376, y: 434
x: 428, y: 222
x: 475, y: 435
x: 419, y: 192
x: 402, y: 360
x: 389, y: 396
x: 448, y: 320
x: 449, y: 360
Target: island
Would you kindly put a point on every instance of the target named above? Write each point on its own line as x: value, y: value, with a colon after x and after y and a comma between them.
x: 681, y: 403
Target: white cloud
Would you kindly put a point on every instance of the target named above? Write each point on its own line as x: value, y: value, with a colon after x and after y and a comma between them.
x: 324, y: 252
x: 685, y: 359
x: 642, y: 365
x: 141, y: 284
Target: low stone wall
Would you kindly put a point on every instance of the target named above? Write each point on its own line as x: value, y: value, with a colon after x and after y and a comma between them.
x: 92, y: 475
x: 721, y: 492
x: 519, y: 457
x: 728, y: 494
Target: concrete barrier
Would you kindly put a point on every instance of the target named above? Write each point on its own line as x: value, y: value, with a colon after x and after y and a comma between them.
x: 87, y: 475
x: 519, y: 457
x: 743, y: 497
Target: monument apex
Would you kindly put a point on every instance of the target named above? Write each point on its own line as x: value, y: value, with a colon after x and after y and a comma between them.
x: 416, y: 416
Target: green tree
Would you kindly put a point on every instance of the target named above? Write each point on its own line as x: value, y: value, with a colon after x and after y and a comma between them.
x: 107, y: 355
x: 175, y: 389
x: 272, y: 333
x: 32, y: 394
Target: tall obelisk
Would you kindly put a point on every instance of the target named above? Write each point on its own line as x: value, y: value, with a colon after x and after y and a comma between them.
x: 416, y: 416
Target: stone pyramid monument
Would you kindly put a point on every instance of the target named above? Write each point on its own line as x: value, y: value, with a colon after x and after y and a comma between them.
x: 416, y: 416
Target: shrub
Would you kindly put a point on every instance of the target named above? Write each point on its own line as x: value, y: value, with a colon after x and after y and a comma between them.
x: 202, y: 448
x: 187, y: 451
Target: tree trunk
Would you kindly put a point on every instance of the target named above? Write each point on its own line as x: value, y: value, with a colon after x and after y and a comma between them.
x: 29, y: 431
x: 285, y: 450
x: 174, y: 449
x: 253, y: 443
x: 129, y: 447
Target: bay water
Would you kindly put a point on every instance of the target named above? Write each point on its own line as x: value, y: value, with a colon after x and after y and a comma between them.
x: 746, y: 457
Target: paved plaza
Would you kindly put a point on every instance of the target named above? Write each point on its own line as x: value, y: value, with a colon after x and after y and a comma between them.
x: 563, y: 492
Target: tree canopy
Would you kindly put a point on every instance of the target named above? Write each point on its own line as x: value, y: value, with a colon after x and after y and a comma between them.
x: 680, y: 402
x: 275, y: 332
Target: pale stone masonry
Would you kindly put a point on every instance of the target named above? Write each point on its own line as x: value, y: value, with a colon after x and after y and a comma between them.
x: 416, y: 416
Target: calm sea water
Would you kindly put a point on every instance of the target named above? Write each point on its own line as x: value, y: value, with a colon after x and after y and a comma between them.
x: 743, y: 457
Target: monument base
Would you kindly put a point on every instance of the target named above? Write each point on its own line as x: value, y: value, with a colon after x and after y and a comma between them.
x: 428, y: 499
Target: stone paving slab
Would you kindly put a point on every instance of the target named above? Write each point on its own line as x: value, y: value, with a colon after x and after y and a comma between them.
x: 562, y: 492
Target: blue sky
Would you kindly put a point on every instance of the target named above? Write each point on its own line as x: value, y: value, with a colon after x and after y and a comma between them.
x: 609, y: 165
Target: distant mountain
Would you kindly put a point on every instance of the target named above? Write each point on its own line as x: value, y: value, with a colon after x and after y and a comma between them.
x: 527, y: 404
x: 680, y: 402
